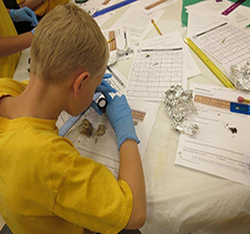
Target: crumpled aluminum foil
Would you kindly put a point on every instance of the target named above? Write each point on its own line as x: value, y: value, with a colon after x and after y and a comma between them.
x: 124, y: 51
x: 240, y: 76
x: 114, y: 57
x: 179, y: 104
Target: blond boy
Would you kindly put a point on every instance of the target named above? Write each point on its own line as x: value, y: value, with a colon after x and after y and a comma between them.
x: 45, y: 185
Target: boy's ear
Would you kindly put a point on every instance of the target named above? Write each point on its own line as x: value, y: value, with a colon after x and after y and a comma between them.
x: 79, y: 82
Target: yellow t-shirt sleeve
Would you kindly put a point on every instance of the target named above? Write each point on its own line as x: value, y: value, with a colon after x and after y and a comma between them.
x: 92, y: 198
x: 54, y: 3
x: 45, y: 6
x: 11, y: 87
x: 41, y: 9
x: 7, y: 29
x: 20, y: 1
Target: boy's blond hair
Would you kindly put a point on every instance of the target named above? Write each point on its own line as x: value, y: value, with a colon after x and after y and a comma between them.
x: 67, y: 39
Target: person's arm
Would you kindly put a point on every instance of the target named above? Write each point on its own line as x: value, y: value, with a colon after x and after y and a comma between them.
x: 120, y: 117
x: 32, y: 4
x: 12, y: 45
x: 131, y: 171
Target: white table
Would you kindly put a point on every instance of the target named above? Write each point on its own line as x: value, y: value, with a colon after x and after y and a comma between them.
x: 181, y: 200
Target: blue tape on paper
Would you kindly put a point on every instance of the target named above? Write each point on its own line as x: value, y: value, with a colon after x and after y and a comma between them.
x: 113, y: 7
x: 240, y: 108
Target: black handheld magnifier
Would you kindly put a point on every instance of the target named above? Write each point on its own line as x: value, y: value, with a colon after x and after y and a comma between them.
x: 102, y: 104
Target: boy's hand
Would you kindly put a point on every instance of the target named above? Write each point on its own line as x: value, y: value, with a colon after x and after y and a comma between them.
x: 24, y: 14
x: 120, y: 117
x: 104, y: 88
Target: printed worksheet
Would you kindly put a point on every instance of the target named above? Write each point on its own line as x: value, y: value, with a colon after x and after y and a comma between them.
x: 150, y: 6
x: 209, y: 6
x: 135, y: 21
x: 94, y: 5
x: 172, y: 39
x: 100, y: 20
x: 103, y: 149
x: 205, y: 13
x: 118, y: 39
x: 154, y: 71
x: 201, y: 21
x: 221, y: 147
x: 228, y: 44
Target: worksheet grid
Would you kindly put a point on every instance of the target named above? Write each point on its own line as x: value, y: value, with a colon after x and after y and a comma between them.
x: 228, y: 44
x: 155, y: 72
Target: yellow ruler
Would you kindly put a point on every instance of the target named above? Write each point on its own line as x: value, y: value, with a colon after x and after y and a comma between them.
x: 217, y: 72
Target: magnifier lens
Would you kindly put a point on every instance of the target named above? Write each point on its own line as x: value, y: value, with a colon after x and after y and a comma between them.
x: 102, y: 103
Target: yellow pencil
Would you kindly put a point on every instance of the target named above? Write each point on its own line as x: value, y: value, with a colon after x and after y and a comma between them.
x: 158, y: 30
x: 110, y: 40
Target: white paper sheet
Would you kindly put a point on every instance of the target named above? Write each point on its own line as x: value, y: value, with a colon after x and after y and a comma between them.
x: 209, y: 6
x: 121, y: 42
x: 137, y: 22
x: 221, y: 147
x: 200, y: 21
x: 154, y: 71
x: 206, y: 13
x: 240, y: 17
x: 150, y: 6
x: 171, y: 40
x: 94, y: 5
x: 117, y: 81
x: 97, y: 4
x: 100, y: 20
x: 228, y: 44
x: 104, y: 150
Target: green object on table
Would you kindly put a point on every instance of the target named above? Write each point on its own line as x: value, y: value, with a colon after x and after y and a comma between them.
x: 184, y: 15
x: 246, y: 3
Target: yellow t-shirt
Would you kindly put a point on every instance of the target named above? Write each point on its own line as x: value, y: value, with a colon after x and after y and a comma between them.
x: 45, y: 6
x: 46, y: 187
x: 7, y: 29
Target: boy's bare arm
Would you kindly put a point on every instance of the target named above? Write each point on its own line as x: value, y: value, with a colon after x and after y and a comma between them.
x: 32, y: 4
x: 121, y: 120
x: 131, y: 171
x: 12, y: 45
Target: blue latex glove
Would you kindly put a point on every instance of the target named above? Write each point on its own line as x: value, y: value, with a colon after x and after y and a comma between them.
x: 33, y: 30
x: 103, y: 88
x: 121, y: 120
x: 24, y: 14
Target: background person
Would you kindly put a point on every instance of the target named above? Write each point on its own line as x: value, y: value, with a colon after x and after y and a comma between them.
x: 10, y: 43
x: 41, y: 7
